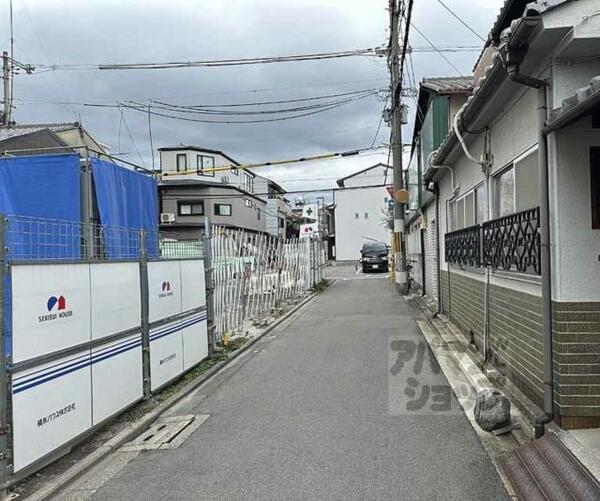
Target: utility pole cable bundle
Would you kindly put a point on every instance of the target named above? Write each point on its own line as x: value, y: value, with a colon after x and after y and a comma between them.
x: 396, y: 64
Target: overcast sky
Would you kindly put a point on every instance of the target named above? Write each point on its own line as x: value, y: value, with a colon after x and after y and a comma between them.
x: 109, y: 31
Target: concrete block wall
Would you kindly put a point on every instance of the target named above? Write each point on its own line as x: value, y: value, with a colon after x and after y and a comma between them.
x: 516, y: 343
x: 516, y: 339
x: 576, y: 342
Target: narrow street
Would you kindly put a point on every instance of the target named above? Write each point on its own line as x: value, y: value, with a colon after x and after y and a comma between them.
x: 305, y: 414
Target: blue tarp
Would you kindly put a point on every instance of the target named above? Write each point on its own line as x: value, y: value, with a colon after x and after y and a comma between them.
x: 46, y: 187
x: 127, y: 202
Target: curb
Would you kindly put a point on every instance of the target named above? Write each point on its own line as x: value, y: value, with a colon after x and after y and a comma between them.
x: 136, y: 428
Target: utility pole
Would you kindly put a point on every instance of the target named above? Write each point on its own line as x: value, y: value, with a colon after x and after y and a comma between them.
x: 400, y: 273
x: 7, y: 96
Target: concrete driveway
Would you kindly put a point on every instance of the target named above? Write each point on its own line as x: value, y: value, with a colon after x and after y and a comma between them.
x: 318, y: 409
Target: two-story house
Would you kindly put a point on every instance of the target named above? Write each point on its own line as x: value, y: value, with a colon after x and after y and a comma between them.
x: 518, y: 185
x: 438, y: 101
x: 278, y: 211
x: 191, y: 192
x: 361, y: 210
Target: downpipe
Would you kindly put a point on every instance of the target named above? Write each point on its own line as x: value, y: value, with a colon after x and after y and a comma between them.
x: 541, y: 86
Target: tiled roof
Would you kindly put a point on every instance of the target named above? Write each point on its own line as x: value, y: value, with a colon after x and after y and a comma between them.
x: 449, y: 85
x: 577, y: 105
x: 8, y: 131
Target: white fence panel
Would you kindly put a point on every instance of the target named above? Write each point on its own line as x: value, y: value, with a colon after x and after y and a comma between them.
x: 117, y: 379
x: 50, y: 308
x: 193, y: 290
x: 164, y: 289
x: 195, y: 340
x: 166, y: 353
x: 115, y: 293
x: 52, y: 404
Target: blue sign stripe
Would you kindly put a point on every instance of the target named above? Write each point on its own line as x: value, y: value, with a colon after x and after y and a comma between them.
x: 73, y: 369
x: 80, y: 364
x: 177, y: 327
x: 43, y: 375
x: 64, y: 365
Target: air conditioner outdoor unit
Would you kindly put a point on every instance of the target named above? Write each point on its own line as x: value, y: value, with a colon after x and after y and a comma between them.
x: 167, y: 218
x: 225, y: 179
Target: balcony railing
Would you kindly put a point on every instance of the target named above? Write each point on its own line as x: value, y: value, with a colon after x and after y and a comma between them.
x: 463, y: 247
x: 512, y: 243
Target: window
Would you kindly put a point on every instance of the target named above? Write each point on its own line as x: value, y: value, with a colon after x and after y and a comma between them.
x: 366, y: 215
x: 258, y: 213
x: 247, y: 202
x: 203, y: 163
x: 516, y: 188
x: 249, y: 182
x: 181, y: 162
x: 356, y: 215
x: 195, y: 208
x: 234, y: 171
x: 469, y: 210
x: 281, y: 222
x: 480, y: 204
x: 222, y: 209
x: 595, y: 186
x: 505, y: 193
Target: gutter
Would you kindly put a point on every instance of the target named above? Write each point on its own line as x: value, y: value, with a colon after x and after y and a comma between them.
x: 489, y: 83
x: 573, y: 114
x: 514, y: 48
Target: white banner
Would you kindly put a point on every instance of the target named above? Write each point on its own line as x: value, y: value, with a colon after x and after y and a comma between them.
x: 50, y: 308
x: 308, y: 230
x: 310, y: 211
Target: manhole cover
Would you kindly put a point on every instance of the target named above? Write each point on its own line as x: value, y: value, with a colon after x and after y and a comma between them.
x: 167, y: 433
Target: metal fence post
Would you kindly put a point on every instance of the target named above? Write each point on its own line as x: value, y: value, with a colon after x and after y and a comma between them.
x: 4, y: 379
x: 209, y: 285
x: 145, y: 322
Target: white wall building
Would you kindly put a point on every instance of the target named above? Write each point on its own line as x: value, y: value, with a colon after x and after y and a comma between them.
x: 361, y: 208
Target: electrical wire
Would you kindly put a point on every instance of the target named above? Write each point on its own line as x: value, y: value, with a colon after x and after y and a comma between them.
x: 263, y: 120
x: 211, y: 63
x: 461, y: 21
x: 221, y: 112
x: 280, y: 101
x: 436, y: 49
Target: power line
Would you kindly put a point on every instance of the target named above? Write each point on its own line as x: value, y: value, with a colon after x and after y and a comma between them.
x: 280, y: 101
x: 461, y: 21
x: 436, y: 49
x: 367, y: 52
x: 262, y: 120
x: 217, y: 111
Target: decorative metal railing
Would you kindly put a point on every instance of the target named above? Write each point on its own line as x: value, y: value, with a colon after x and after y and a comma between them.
x: 463, y: 247
x: 512, y: 243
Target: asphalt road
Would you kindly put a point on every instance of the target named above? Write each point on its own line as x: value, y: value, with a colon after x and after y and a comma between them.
x: 317, y: 410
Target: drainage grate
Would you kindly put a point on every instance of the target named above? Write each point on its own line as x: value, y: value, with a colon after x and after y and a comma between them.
x: 167, y: 433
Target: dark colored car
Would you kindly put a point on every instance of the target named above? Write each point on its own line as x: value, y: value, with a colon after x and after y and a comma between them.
x: 374, y: 256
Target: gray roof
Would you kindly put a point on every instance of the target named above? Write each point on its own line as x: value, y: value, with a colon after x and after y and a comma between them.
x: 26, y: 144
x: 8, y: 131
x: 583, y: 102
x: 449, y: 85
